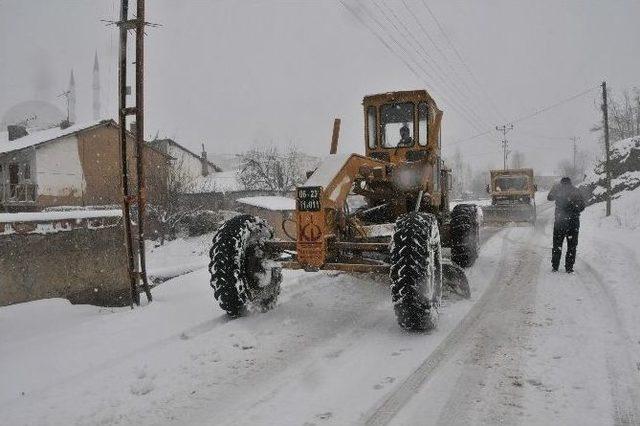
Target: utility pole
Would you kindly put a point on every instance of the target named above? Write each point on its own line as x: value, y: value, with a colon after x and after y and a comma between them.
x: 505, y: 144
x: 574, y: 140
x: 607, y: 164
x: 134, y: 258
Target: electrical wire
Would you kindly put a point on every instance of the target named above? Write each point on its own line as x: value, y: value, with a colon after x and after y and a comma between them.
x: 458, y: 76
x: 430, y: 62
x: 462, y: 60
x: 402, y: 58
x: 535, y: 113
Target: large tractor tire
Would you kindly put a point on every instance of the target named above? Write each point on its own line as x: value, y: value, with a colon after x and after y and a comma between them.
x: 242, y: 277
x: 416, y: 271
x: 465, y: 234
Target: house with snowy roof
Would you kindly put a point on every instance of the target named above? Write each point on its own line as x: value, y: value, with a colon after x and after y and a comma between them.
x: 186, y: 162
x: 76, y: 165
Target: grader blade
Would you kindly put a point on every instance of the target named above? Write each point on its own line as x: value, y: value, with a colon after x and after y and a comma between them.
x: 507, y: 213
x: 455, y: 280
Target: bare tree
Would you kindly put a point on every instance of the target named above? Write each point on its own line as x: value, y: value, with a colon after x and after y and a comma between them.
x: 624, y: 115
x: 170, y: 209
x: 576, y: 171
x: 269, y: 170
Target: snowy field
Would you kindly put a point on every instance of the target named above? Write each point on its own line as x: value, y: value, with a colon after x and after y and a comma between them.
x: 530, y: 347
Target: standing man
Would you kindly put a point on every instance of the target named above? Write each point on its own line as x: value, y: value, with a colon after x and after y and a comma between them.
x: 569, y: 205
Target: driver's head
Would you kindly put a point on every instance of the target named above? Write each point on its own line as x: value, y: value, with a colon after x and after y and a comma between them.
x: 404, y: 131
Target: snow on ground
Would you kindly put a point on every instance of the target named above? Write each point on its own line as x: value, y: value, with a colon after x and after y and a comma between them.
x: 551, y: 348
x: 178, y: 256
x: 181, y: 360
x: 530, y: 347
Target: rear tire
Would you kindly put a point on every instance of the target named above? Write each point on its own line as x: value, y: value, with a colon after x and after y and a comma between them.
x: 465, y: 234
x: 416, y: 271
x: 242, y: 277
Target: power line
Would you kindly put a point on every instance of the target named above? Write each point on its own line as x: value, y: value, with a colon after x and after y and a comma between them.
x: 458, y: 77
x: 535, y: 113
x: 430, y: 61
x: 545, y: 109
x: 401, y: 58
x: 470, y: 120
x: 464, y: 63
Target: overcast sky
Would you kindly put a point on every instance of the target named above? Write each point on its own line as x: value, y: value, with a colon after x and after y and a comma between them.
x: 233, y: 74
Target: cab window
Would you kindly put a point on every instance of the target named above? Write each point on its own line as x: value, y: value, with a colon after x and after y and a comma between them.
x: 371, y: 127
x: 397, y: 125
x: 423, y: 123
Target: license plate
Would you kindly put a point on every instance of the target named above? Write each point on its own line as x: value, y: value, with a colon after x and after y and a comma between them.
x: 309, y: 199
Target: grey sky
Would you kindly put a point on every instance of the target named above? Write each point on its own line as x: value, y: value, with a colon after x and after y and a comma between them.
x: 235, y: 73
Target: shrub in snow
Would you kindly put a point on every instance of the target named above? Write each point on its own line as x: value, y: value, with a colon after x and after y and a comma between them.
x: 199, y: 223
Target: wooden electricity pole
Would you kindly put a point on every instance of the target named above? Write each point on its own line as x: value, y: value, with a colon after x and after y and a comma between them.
x: 135, y: 258
x: 607, y: 164
x: 505, y: 144
x: 575, y: 150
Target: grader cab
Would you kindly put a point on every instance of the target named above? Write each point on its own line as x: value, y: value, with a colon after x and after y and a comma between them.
x: 386, y: 212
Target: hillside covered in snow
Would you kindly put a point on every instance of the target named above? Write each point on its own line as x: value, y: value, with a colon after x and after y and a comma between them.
x: 625, y: 171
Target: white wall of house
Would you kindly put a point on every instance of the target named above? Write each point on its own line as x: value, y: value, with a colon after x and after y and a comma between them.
x: 58, y: 168
x: 189, y: 164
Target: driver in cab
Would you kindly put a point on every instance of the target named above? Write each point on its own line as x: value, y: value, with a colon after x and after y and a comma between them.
x: 405, y: 136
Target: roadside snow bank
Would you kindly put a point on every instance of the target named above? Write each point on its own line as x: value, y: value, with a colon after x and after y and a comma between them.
x: 625, y: 212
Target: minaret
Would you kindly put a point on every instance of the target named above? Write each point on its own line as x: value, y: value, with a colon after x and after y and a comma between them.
x: 204, y: 162
x: 72, y: 99
x: 96, y: 88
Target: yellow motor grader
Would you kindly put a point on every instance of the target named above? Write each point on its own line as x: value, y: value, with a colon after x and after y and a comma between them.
x: 512, y: 197
x: 385, y: 212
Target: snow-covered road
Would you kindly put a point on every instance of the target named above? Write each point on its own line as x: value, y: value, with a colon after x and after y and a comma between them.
x: 543, y: 348
x: 530, y: 347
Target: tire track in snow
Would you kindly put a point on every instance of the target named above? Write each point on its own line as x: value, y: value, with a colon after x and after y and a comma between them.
x: 196, y: 330
x: 493, y: 353
x: 623, y: 376
x: 394, y: 401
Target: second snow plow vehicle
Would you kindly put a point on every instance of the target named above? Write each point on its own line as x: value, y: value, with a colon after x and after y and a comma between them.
x: 512, y: 197
x: 399, y: 228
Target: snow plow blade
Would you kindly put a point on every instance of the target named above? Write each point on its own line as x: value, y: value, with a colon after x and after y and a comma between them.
x: 507, y: 213
x: 455, y: 280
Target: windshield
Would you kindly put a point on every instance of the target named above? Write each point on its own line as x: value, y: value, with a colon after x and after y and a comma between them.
x: 511, y: 183
x: 397, y: 124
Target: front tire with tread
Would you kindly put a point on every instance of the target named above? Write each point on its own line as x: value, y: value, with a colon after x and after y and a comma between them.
x: 242, y: 277
x: 416, y: 271
x: 465, y: 234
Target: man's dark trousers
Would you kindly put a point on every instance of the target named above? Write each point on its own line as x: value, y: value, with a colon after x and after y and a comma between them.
x: 569, y: 229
